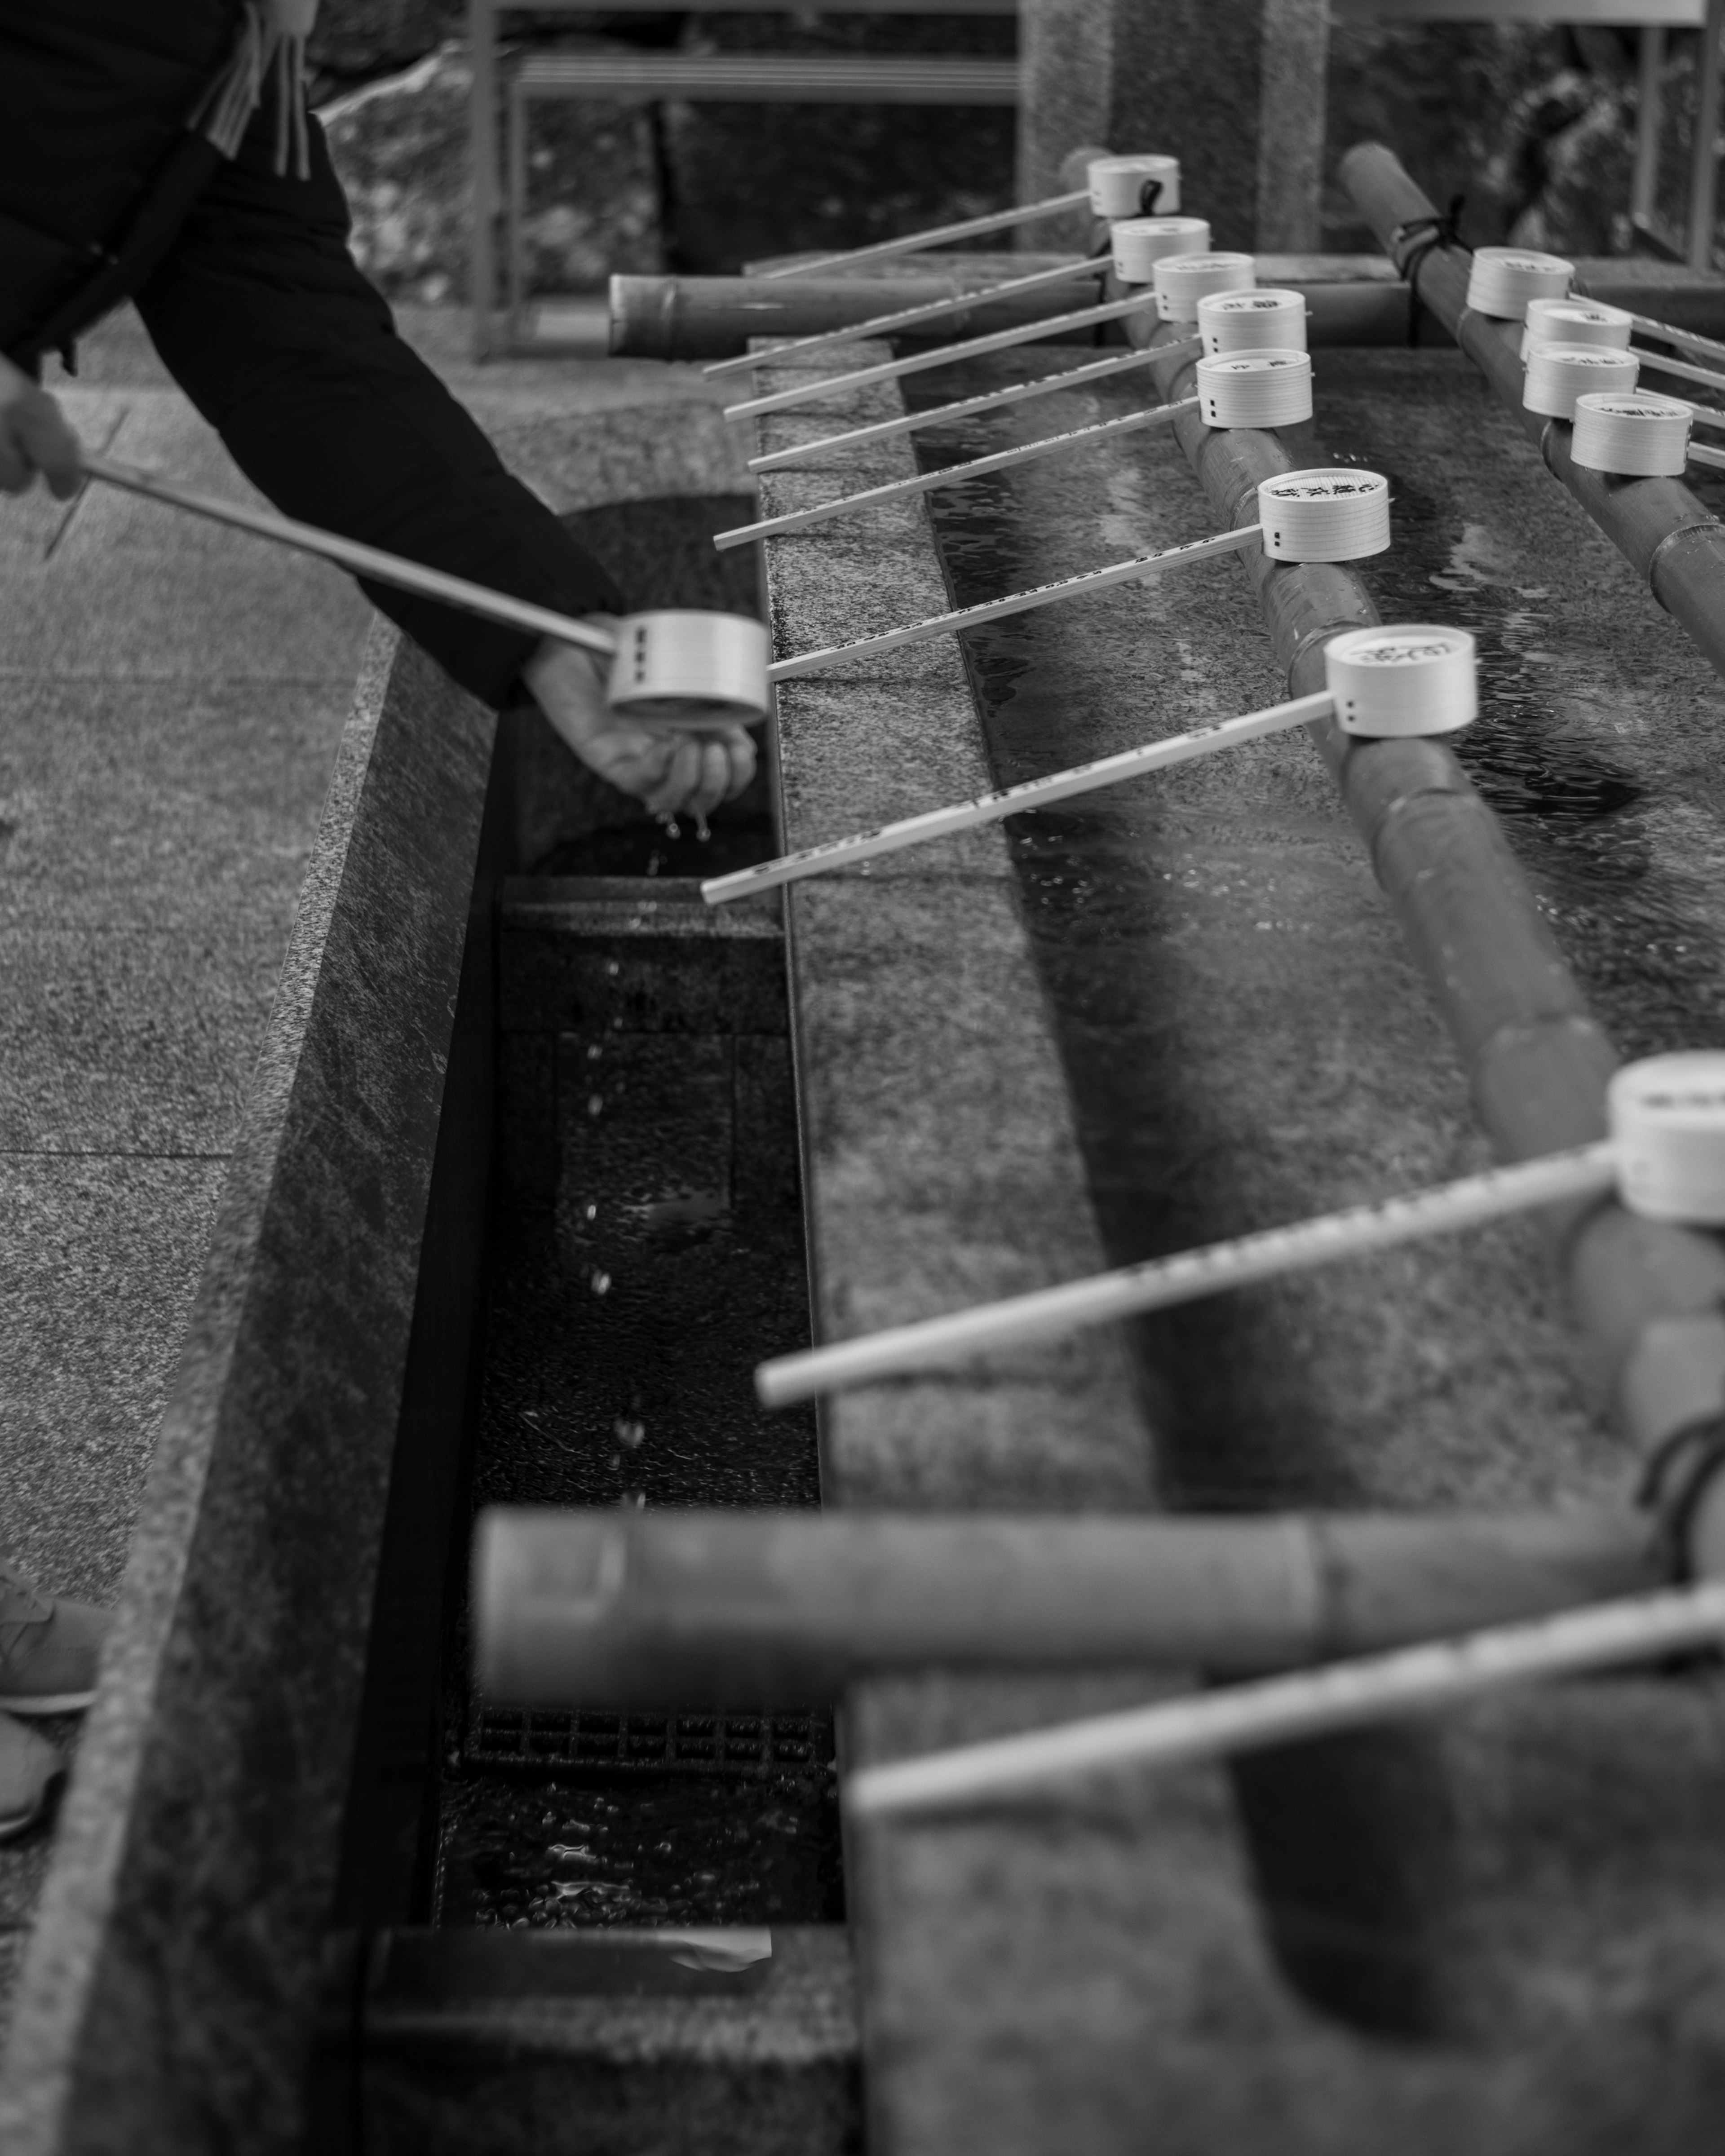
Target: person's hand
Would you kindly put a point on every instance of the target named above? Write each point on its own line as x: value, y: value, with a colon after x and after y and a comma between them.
x: 673, y: 769
x: 34, y: 438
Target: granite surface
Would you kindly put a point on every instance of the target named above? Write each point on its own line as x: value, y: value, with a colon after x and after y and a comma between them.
x: 148, y: 2020
x: 171, y: 701
x: 934, y: 1114
x: 1499, y: 1935
x: 167, y: 724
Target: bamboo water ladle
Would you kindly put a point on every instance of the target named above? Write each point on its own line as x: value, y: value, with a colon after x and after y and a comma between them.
x: 669, y: 667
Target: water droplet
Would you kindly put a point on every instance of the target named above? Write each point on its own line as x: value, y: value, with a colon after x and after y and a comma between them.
x: 636, y: 1500
x: 591, y: 1210
x: 595, y: 1104
x: 702, y: 830
x: 595, y: 1050
x: 629, y: 1434
x: 613, y: 969
x: 671, y: 830
x: 602, y: 1283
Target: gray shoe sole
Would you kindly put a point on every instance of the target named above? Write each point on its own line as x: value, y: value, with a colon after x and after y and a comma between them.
x: 50, y: 1702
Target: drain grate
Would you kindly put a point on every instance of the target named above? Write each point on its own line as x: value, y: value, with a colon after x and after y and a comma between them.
x: 545, y: 1740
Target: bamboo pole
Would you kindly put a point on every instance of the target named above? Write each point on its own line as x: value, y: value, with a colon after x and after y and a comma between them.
x: 969, y: 617
x: 384, y: 568
x: 1582, y: 1173
x: 902, y: 490
x: 714, y: 317
x: 937, y: 235
x: 1013, y: 800
x: 946, y: 355
x: 727, y: 1608
x: 1287, y: 1709
x: 904, y: 319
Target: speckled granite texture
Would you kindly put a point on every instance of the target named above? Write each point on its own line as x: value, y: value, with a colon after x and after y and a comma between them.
x: 213, y: 1770
x: 171, y: 701
x: 1177, y: 1010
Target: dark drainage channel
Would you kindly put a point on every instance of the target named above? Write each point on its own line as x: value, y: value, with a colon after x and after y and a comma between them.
x: 620, y: 1141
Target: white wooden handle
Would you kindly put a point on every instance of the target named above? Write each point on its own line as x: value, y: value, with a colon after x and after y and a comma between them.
x: 1280, y: 1710
x: 1066, y: 588
x: 1013, y: 800
x: 349, y: 554
x: 1684, y: 340
x: 899, y: 490
x: 907, y: 318
x: 937, y: 235
x: 943, y: 355
x: 1656, y: 362
x: 1585, y: 1171
x: 940, y: 415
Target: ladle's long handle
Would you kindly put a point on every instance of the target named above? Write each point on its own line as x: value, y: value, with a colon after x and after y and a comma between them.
x: 1014, y: 800
x: 1160, y: 1283
x: 943, y: 355
x: 384, y: 568
x: 1075, y: 437
x: 937, y: 235
x: 971, y: 617
x: 1279, y: 1710
x: 908, y: 318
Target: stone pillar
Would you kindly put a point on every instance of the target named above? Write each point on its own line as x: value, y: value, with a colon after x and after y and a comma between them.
x: 1188, y: 77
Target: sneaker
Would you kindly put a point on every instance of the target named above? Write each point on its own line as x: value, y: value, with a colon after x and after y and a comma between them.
x: 30, y: 1769
x: 49, y: 1649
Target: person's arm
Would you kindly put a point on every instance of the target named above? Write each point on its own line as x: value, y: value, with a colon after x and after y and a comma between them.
x: 260, y: 315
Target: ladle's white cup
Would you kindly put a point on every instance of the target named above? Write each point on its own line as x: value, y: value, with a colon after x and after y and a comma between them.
x: 673, y: 667
x: 1667, y: 1116
x: 1324, y: 514
x: 1260, y: 317
x: 1558, y: 373
x: 1633, y: 433
x: 1142, y: 185
x: 1261, y: 388
x: 1406, y: 680
x: 1182, y: 280
x: 1575, y: 321
x: 1501, y: 280
x: 1137, y: 244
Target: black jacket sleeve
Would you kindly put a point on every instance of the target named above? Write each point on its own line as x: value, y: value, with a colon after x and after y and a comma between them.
x: 262, y: 317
